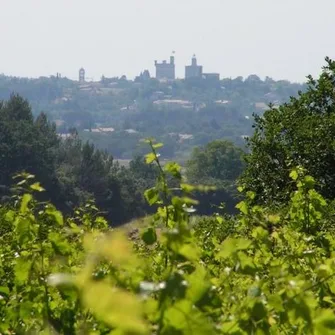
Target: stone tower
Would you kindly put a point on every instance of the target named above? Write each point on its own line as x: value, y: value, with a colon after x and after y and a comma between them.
x: 194, y: 70
x: 166, y: 70
x: 82, y: 75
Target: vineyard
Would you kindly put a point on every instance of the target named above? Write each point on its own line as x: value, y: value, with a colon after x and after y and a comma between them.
x: 261, y: 272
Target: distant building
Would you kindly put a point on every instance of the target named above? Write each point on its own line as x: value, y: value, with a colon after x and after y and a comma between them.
x: 100, y: 130
x: 144, y: 76
x: 166, y: 70
x: 82, y: 75
x: 194, y: 70
x: 211, y: 76
x: 173, y: 104
x: 107, y: 81
x: 222, y: 102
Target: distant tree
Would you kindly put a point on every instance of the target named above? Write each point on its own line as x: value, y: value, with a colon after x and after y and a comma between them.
x: 87, y: 173
x: 71, y: 172
x: 27, y: 145
x: 143, y: 171
x: 71, y: 105
x: 253, y: 78
x: 78, y: 118
x: 219, y: 163
x: 214, y: 124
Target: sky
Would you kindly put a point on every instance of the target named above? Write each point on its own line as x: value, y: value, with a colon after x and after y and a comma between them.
x: 282, y: 39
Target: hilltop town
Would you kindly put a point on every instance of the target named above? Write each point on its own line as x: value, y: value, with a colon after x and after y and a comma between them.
x: 117, y: 113
x: 166, y: 71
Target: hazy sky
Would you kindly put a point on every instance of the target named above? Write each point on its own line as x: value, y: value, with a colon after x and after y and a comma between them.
x: 283, y: 39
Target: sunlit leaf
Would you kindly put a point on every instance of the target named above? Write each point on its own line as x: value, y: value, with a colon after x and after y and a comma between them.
x: 150, y: 157
x: 157, y: 145
x: 59, y: 243
x: 198, y: 284
x: 115, y: 307
x: 57, y: 215
x: 23, y: 229
x: 117, y: 249
x: 274, y: 218
x: 182, y: 316
x: 24, y: 202
x: 294, y: 174
x: 22, y: 270
x: 152, y: 196
x: 231, y: 245
x: 37, y: 187
x: 173, y: 169
x: 243, y: 207
x: 325, y: 322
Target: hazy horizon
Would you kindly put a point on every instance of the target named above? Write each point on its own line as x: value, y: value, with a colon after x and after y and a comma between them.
x: 282, y: 40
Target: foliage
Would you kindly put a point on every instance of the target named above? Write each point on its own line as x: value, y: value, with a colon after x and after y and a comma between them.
x: 37, y: 242
x: 261, y: 272
x: 220, y: 164
x: 300, y: 132
x: 217, y: 161
x: 26, y: 144
x: 73, y: 172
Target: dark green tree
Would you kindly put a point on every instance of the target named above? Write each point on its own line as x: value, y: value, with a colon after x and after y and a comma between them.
x: 27, y: 145
x: 71, y: 172
x: 217, y: 161
x: 300, y: 132
x: 219, y: 164
x: 86, y: 173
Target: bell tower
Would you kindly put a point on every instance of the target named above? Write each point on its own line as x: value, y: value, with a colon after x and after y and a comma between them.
x: 82, y: 75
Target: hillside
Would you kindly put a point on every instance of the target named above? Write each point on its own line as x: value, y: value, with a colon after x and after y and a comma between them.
x: 116, y: 113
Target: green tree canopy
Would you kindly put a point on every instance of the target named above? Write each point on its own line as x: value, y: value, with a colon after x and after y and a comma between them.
x: 26, y: 144
x: 217, y: 161
x: 71, y: 171
x: 300, y: 132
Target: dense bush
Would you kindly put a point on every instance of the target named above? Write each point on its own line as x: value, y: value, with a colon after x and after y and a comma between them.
x: 219, y: 163
x: 300, y: 132
x: 262, y: 272
x: 71, y: 171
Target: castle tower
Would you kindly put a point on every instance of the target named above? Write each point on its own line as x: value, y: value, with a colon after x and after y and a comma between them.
x: 82, y: 75
x: 194, y: 70
x: 165, y: 70
x: 194, y: 61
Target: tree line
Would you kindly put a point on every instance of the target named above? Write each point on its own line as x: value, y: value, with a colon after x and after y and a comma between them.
x: 74, y: 172
x: 219, y: 109
x: 298, y: 133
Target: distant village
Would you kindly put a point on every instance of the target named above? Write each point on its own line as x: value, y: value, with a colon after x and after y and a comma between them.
x: 166, y: 71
